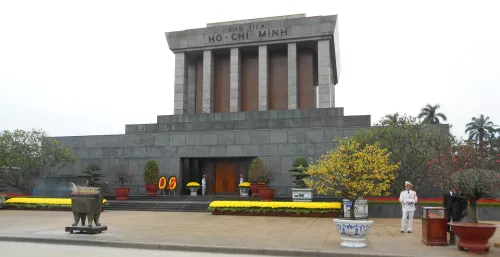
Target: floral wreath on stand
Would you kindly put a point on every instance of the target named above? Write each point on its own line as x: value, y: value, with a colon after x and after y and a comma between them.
x: 162, y: 184
x: 172, y: 184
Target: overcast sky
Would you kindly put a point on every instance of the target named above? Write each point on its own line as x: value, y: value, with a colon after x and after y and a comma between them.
x: 90, y: 67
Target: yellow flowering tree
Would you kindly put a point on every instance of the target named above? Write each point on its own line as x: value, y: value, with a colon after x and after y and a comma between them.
x: 353, y: 171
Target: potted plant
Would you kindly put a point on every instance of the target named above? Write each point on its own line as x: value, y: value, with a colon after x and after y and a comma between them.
x: 92, y: 175
x: 193, y: 188
x: 474, y: 173
x: 301, y: 193
x: 244, y: 188
x: 123, y: 175
x: 353, y: 171
x: 151, y: 177
x: 268, y: 175
x: 255, y: 176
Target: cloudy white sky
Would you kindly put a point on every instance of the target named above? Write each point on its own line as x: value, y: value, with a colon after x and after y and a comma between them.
x: 90, y: 67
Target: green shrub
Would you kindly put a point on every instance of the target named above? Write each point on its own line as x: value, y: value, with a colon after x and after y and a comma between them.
x: 92, y: 174
x: 300, y: 165
x: 256, y: 171
x: 151, y: 172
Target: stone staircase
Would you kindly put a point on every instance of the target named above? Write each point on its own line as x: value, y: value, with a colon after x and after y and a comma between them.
x: 169, y: 203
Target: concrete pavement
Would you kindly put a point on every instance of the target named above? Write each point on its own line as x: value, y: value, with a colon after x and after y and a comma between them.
x: 224, y: 234
x: 16, y: 249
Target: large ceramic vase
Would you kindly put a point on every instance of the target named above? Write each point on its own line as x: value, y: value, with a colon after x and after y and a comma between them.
x: 266, y: 194
x: 353, y: 232
x: 122, y: 193
x: 244, y: 191
x: 193, y: 191
x: 473, y: 237
x: 151, y: 189
x: 255, y: 187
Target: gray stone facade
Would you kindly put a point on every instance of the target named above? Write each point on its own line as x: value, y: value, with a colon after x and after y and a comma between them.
x: 276, y: 136
x: 263, y: 32
x: 287, y: 134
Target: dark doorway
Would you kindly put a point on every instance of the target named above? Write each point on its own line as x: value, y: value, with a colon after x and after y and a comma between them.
x: 222, y: 174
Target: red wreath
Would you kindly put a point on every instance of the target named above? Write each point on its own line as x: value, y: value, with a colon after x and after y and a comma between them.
x: 172, y: 183
x: 162, y: 183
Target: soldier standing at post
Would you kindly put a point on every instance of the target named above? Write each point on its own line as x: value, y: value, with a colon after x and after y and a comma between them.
x: 455, y: 208
x: 408, y: 198
x: 241, y: 181
x: 203, y: 185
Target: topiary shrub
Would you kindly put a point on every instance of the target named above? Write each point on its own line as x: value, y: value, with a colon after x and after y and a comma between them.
x: 300, y: 165
x: 92, y: 174
x: 151, y: 172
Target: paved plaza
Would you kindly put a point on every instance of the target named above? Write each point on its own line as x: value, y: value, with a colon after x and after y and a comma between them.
x: 203, y: 230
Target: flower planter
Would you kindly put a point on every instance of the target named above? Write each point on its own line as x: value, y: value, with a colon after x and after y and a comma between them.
x: 256, y: 187
x: 244, y: 191
x: 353, y: 232
x: 122, y: 193
x: 151, y: 189
x: 302, y: 194
x: 473, y: 237
x: 278, y: 214
x: 266, y: 194
x: 193, y: 191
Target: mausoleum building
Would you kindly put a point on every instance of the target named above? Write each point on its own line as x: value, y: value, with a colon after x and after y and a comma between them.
x: 243, y: 89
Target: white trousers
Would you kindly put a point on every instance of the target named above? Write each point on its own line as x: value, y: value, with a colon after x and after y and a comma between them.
x: 406, y: 214
x: 203, y: 189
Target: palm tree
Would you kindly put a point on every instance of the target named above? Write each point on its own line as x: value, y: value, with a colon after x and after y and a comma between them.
x: 481, y: 129
x: 390, y: 119
x: 430, y: 114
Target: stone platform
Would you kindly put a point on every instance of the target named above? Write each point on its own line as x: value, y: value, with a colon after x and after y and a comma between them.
x: 86, y: 229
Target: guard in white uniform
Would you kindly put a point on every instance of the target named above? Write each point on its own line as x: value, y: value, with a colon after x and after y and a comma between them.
x: 203, y: 185
x: 408, y: 199
x: 241, y: 181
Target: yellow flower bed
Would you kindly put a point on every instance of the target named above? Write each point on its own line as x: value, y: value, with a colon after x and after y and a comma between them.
x: 244, y: 184
x: 275, y: 205
x: 42, y: 201
x: 193, y: 184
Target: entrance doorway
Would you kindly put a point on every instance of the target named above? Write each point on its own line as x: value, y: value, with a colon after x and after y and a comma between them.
x: 225, y: 178
x: 222, y: 174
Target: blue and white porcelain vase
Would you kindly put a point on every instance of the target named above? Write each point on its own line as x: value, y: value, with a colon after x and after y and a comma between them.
x: 353, y: 232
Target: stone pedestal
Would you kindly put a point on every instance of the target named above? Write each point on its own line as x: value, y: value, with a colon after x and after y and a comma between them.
x: 87, y: 230
x: 360, y: 209
x: 302, y: 194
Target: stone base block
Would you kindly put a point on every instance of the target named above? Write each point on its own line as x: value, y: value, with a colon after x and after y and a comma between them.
x: 302, y: 194
x: 86, y: 229
x: 360, y: 209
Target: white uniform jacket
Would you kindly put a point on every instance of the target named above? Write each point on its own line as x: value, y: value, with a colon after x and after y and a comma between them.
x: 408, y: 199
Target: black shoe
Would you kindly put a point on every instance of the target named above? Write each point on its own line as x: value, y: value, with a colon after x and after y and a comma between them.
x: 409, y: 231
x: 402, y: 231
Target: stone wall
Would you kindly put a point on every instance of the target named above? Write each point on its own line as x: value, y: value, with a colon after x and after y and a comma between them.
x: 276, y: 146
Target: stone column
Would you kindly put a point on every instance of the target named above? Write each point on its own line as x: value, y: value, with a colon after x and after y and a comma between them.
x: 191, y: 87
x: 263, y: 78
x: 235, y: 81
x: 180, y: 92
x: 292, y: 76
x: 208, y: 81
x: 323, y: 92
